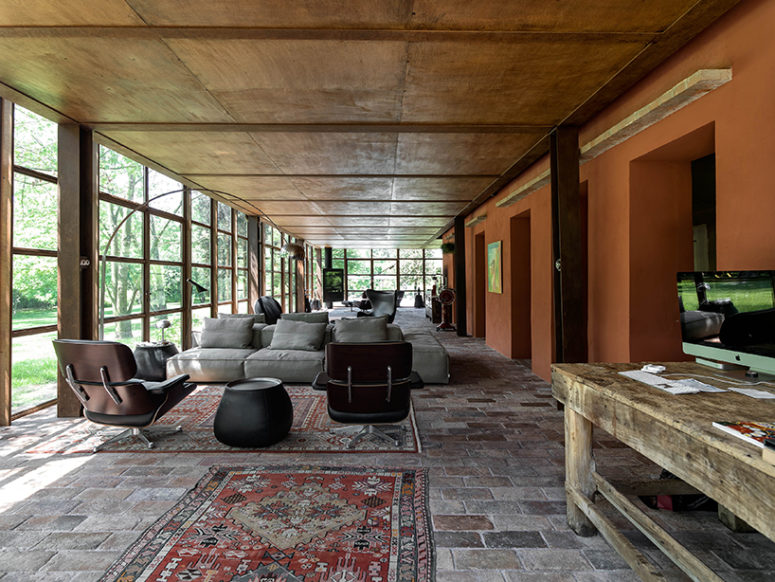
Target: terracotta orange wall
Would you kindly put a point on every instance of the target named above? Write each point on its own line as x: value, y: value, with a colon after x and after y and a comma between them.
x: 637, y: 201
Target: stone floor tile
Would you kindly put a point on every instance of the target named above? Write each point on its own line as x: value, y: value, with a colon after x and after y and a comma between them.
x: 460, y: 576
x: 78, y: 560
x: 458, y: 539
x: 514, y: 539
x: 74, y: 541
x: 23, y: 560
x: 461, y: 522
x: 553, y: 559
x: 475, y: 559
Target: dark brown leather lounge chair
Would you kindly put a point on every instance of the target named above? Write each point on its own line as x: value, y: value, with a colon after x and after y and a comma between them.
x: 101, y: 373
x: 369, y: 384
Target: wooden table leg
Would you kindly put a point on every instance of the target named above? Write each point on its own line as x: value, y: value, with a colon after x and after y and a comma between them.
x: 579, y: 466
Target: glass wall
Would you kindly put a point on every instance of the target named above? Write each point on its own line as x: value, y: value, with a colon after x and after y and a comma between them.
x: 408, y: 270
x: 34, y: 261
x: 279, y: 269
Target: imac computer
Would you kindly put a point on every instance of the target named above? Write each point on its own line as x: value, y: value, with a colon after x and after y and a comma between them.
x: 728, y: 319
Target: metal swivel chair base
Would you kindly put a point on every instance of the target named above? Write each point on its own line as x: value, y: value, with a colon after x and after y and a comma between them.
x: 140, y: 433
x: 379, y: 432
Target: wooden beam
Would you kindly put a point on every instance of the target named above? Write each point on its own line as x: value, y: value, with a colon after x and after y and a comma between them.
x: 690, y: 89
x: 6, y: 256
x: 460, y: 277
x: 125, y: 126
x: 569, y: 279
x: 255, y: 261
x: 89, y: 232
x: 526, y: 189
x: 475, y: 220
x: 147, y: 32
x: 186, y: 319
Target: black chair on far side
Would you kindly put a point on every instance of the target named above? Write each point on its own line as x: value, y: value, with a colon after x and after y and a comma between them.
x: 369, y: 384
x: 269, y: 306
x: 383, y: 304
x: 101, y: 373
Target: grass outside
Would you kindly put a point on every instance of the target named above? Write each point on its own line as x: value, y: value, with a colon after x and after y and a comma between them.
x: 33, y: 371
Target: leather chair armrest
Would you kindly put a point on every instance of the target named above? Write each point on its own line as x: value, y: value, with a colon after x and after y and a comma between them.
x: 320, y: 381
x: 166, y: 385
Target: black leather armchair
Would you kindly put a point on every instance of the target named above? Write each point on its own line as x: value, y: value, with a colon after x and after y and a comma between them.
x: 101, y: 373
x: 369, y: 384
x: 383, y: 304
x: 269, y: 306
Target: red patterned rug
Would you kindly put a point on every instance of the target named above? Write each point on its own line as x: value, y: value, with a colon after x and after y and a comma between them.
x: 310, y: 432
x: 285, y: 524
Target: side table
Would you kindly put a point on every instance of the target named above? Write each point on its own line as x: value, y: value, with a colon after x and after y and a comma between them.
x: 151, y: 358
x: 254, y: 412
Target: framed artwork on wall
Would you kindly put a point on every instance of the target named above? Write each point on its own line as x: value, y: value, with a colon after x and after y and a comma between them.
x: 494, y: 274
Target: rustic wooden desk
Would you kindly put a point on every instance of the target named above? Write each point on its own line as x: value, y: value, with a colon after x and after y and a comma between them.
x: 675, y: 432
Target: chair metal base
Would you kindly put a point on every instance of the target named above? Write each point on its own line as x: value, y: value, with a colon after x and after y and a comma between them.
x: 140, y: 433
x: 377, y: 431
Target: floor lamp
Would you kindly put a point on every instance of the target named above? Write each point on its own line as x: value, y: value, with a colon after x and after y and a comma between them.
x: 104, y: 257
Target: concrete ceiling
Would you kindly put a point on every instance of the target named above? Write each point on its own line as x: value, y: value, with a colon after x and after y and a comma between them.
x: 366, y: 123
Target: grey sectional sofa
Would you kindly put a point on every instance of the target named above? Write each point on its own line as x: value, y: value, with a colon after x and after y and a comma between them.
x: 296, y: 360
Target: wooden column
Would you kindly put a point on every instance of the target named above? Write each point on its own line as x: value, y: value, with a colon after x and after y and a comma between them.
x: 569, y: 323
x: 300, y: 286
x: 6, y: 250
x: 460, y: 275
x: 77, y: 256
x: 213, y: 257
x: 255, y: 261
x: 188, y: 290
x: 328, y: 257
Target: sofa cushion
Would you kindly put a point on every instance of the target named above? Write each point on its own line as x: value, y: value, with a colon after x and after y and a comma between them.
x: 311, y: 317
x: 429, y: 357
x: 232, y: 332
x: 257, y: 317
x: 364, y: 329
x: 297, y: 335
x: 288, y: 365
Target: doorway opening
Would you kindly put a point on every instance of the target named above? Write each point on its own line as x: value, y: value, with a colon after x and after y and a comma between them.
x: 480, y: 286
x: 521, y: 337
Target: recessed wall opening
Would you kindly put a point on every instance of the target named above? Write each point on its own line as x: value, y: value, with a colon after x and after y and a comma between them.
x: 704, y: 212
x: 521, y: 335
x: 480, y: 286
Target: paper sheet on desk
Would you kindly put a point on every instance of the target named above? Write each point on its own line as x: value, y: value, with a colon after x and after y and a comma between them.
x: 753, y: 393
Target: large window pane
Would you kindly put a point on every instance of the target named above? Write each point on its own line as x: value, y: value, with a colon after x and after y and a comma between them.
x: 410, y: 267
x: 383, y: 283
x: 120, y: 176
x: 128, y: 331
x: 33, y: 371
x: 224, y: 250
x: 410, y: 253
x: 128, y: 241
x: 359, y: 267
x: 358, y: 253
x: 200, y: 244
x: 34, y: 292
x: 198, y: 317
x: 224, y: 217
x: 432, y: 253
x: 123, y: 288
x: 433, y: 267
x: 200, y: 207
x: 166, y: 287
x: 411, y: 282
x: 224, y: 285
x: 34, y: 141
x: 200, y: 275
x: 35, y: 212
x: 242, y: 224
x: 166, y: 239
x: 357, y: 284
x: 277, y: 238
x: 242, y: 284
x: 172, y: 334
x: 385, y: 267
x: 337, y: 264
x: 384, y: 253
x: 243, y: 307
x: 337, y: 253
x: 242, y: 253
x: 267, y: 259
x: 276, y: 285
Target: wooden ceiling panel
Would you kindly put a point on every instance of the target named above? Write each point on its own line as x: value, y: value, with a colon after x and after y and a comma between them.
x: 335, y: 188
x: 355, y: 208
x: 299, y: 80
x: 330, y: 153
x: 198, y: 152
x: 418, y: 221
x: 459, y: 153
x: 274, y: 13
x: 555, y: 16
x: 67, y: 12
x: 490, y: 82
x: 92, y: 79
x: 371, y: 221
x: 309, y: 220
x: 458, y: 188
x: 288, y: 207
x: 426, y: 208
x: 254, y: 188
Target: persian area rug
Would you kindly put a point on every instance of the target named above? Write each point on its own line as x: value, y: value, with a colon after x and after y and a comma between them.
x: 310, y: 432
x: 285, y: 524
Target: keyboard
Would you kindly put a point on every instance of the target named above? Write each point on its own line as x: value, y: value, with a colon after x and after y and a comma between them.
x: 669, y: 386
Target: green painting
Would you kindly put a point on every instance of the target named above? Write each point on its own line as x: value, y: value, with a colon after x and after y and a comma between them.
x: 494, y: 275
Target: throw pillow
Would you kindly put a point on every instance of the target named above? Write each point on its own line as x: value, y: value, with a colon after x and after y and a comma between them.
x: 297, y: 335
x: 311, y: 317
x: 361, y: 330
x: 257, y: 317
x: 232, y: 332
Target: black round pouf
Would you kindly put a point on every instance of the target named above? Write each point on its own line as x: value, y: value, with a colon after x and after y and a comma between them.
x: 255, y: 412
